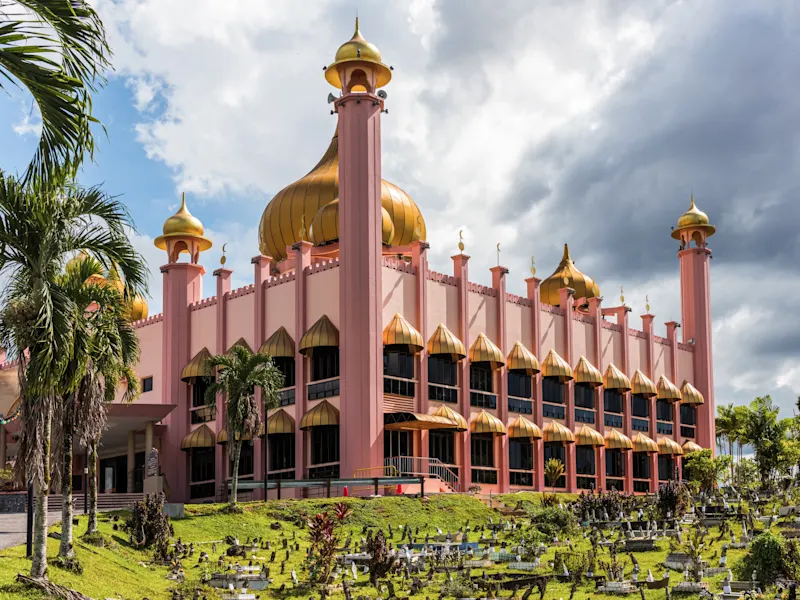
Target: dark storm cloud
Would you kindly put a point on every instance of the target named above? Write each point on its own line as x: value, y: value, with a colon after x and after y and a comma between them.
x: 713, y: 109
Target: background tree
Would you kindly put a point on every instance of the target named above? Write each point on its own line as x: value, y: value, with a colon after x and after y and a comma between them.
x: 553, y: 471
x: 706, y: 471
x: 767, y: 435
x: 239, y: 373
x: 41, y: 227
x: 57, y: 50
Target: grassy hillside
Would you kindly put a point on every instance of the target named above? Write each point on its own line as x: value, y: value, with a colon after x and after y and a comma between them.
x: 119, y: 571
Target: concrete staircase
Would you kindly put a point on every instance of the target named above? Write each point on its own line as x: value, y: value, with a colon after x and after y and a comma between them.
x: 105, y: 502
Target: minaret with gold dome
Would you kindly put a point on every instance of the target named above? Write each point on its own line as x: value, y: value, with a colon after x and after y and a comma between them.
x: 183, y: 233
x: 358, y: 72
x: 693, y: 230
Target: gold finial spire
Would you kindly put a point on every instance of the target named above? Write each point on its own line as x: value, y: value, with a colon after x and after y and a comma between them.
x: 566, y: 255
x: 357, y: 32
x: 223, y: 259
x: 461, y: 241
x: 647, y: 304
x: 498, y: 254
x: 533, y: 265
x: 301, y: 233
x: 622, y: 295
x: 692, y: 206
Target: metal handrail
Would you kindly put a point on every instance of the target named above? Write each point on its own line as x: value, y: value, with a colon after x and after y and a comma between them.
x: 423, y: 465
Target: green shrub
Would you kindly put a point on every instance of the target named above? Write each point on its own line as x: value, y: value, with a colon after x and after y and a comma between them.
x: 765, y: 557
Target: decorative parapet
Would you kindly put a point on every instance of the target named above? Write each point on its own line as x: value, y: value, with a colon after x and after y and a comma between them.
x: 148, y: 321
x: 520, y: 300
x: 441, y: 278
x: 660, y: 340
x: 323, y: 265
x: 686, y: 347
x: 204, y: 303
x: 242, y: 291
x: 395, y: 263
x: 637, y: 334
x: 583, y: 318
x: 280, y: 279
x: 553, y: 310
x: 484, y: 290
x: 611, y: 326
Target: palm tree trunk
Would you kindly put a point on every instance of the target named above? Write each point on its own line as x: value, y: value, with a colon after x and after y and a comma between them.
x: 41, y: 491
x: 65, y: 547
x: 237, y: 452
x: 92, y: 528
x: 730, y: 452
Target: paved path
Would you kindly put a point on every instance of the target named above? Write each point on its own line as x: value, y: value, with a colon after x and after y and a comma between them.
x: 12, y: 528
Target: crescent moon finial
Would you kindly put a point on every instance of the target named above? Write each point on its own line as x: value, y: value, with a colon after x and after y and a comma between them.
x: 461, y: 241
x: 223, y: 259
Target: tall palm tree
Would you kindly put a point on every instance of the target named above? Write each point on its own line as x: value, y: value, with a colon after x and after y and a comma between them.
x: 57, y: 50
x: 239, y: 373
x: 102, y: 335
x: 41, y: 227
x: 727, y: 428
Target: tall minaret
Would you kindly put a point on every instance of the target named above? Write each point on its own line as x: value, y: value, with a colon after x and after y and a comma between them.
x: 693, y: 231
x: 182, y: 233
x: 358, y: 72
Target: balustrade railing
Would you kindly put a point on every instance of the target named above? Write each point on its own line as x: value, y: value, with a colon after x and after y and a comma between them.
x: 423, y: 466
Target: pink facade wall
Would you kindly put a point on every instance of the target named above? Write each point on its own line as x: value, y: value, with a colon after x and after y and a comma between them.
x: 582, y: 342
x: 559, y: 338
x: 685, y: 367
x: 661, y: 361
x: 610, y: 348
x: 240, y: 319
x: 323, y: 297
x: 548, y: 336
x: 280, y: 310
x: 637, y: 355
x: 150, y: 361
x: 442, y: 306
x: 483, y: 316
x: 203, y: 330
x: 399, y: 296
x: 518, y: 326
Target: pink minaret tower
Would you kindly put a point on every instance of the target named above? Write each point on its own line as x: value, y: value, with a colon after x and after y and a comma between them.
x: 693, y: 231
x: 182, y: 234
x: 359, y: 72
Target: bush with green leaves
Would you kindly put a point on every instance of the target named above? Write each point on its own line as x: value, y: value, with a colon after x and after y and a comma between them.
x: 148, y: 526
x: 548, y: 522
x: 611, y: 502
x: 766, y: 557
x: 671, y: 499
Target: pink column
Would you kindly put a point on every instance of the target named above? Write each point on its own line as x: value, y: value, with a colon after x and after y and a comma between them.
x: 672, y: 336
x: 499, y: 285
x: 302, y: 262
x: 622, y: 321
x: 360, y: 289
x: 261, y: 273
x: 221, y: 455
x: 566, y: 302
x: 181, y: 287
x: 696, y: 317
x: 647, y: 327
x: 419, y: 260
x: 461, y: 273
x: 536, y: 326
x: 596, y: 311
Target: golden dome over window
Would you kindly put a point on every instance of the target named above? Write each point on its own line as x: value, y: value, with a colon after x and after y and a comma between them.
x: 693, y: 218
x: 183, y: 224
x: 296, y: 206
x: 567, y: 275
x: 358, y: 49
x: 325, y: 226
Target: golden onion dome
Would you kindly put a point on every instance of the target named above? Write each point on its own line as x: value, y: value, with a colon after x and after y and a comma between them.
x: 325, y: 225
x: 694, y: 218
x: 296, y: 206
x: 357, y: 49
x: 567, y: 275
x: 138, y: 309
x: 183, y: 224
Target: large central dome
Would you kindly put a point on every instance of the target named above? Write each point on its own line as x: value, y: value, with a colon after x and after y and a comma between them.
x: 294, y: 207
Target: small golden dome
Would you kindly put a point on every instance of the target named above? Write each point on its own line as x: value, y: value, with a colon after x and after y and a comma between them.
x: 694, y: 218
x: 325, y: 226
x: 301, y: 201
x: 358, y: 49
x: 183, y: 224
x: 138, y: 309
x: 567, y: 275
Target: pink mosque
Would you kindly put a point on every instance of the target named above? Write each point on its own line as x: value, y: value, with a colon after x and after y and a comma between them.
x: 391, y: 367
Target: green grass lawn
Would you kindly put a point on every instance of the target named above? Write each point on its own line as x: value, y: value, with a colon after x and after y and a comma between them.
x: 119, y: 571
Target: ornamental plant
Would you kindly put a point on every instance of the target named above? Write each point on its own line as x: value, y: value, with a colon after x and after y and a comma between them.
x: 324, y: 530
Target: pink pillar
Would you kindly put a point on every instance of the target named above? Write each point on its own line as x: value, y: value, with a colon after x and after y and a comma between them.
x: 360, y: 289
x: 647, y: 327
x: 536, y: 327
x: 672, y: 336
x: 696, y: 317
x: 499, y: 285
x: 221, y: 451
x: 461, y: 273
x: 261, y: 268
x: 302, y: 262
x: 181, y: 287
x: 622, y: 321
x: 419, y: 260
x: 654, y: 472
x: 600, y: 468
x: 566, y: 302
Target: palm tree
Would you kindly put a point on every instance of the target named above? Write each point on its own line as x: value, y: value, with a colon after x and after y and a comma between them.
x: 553, y: 471
x: 57, y: 50
x: 102, y: 335
x: 40, y: 228
x: 239, y: 373
x: 727, y: 428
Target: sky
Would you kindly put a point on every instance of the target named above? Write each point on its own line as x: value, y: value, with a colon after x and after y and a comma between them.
x: 526, y: 123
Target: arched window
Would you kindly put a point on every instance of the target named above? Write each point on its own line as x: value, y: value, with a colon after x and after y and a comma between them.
x: 398, y: 371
